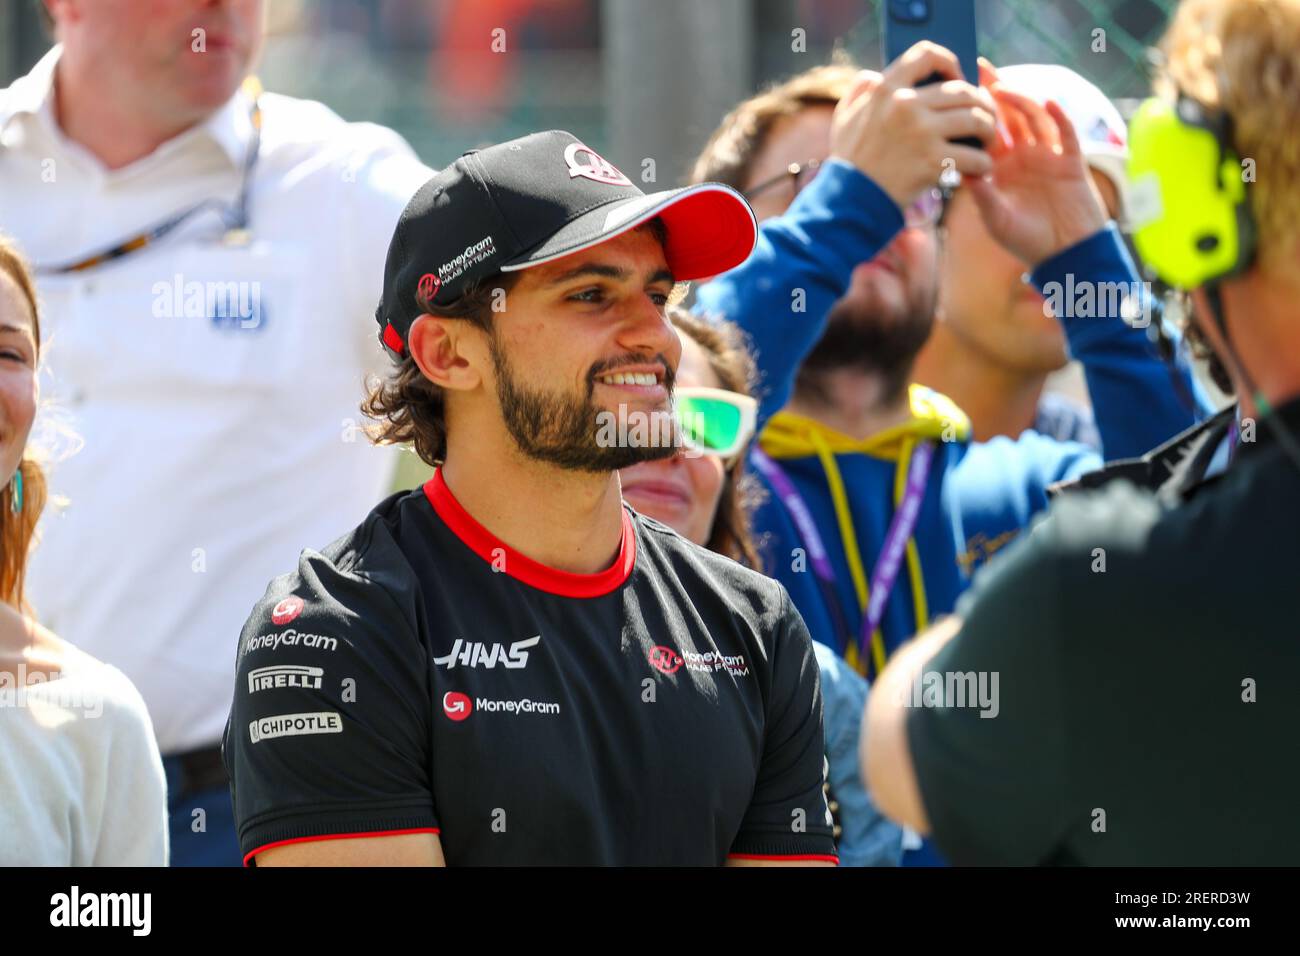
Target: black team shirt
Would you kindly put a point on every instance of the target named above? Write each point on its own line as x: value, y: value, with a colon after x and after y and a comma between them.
x: 419, y: 675
x: 1149, y: 677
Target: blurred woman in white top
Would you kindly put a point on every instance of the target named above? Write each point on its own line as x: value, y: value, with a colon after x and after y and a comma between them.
x: 81, y: 780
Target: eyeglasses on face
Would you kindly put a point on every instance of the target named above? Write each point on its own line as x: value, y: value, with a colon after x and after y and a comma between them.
x: 798, y: 174
x: 926, y: 211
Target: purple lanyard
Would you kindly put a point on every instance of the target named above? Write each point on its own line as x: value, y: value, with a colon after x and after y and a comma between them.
x: 900, y: 531
x: 798, y: 511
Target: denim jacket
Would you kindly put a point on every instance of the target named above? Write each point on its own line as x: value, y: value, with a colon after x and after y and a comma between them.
x: 869, y: 839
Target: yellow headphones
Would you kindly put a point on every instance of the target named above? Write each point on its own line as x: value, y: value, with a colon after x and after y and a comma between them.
x: 1192, y: 219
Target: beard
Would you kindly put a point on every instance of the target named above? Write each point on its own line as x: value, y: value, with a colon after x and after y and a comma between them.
x: 867, y: 333
x: 562, y: 429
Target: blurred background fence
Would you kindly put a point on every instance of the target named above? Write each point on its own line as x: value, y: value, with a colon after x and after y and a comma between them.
x: 636, y: 79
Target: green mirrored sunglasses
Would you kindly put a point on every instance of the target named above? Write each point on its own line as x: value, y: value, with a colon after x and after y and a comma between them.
x: 715, y: 421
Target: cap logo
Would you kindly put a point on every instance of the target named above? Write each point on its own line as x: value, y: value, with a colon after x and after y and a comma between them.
x: 428, y: 286
x: 1104, y: 132
x: 596, y: 167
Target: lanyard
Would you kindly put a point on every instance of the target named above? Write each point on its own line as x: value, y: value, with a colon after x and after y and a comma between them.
x: 900, y: 531
x: 823, y: 570
x: 234, y: 215
x: 885, y: 573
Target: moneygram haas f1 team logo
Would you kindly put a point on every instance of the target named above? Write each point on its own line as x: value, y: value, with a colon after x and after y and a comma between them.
x: 665, y: 659
x: 670, y: 661
x: 428, y: 287
x: 586, y: 162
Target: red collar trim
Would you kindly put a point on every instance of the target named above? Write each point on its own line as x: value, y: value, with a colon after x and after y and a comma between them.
x: 533, y: 573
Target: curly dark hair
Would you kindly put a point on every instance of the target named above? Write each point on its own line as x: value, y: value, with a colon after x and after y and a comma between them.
x: 408, y: 409
x: 733, y: 364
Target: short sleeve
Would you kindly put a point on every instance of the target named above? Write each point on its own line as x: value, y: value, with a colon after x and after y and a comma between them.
x: 329, y: 731
x: 788, y: 817
x: 986, y: 725
x: 133, y: 830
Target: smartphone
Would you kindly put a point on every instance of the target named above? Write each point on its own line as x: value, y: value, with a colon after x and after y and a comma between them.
x: 949, y: 23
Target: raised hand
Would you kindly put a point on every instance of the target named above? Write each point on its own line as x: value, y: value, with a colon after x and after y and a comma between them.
x: 1038, y: 199
x: 899, y: 134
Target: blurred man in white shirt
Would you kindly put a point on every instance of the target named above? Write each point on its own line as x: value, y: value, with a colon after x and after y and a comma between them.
x: 210, y: 259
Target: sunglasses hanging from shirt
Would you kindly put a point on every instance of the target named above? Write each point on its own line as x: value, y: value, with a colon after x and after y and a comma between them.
x: 234, y: 215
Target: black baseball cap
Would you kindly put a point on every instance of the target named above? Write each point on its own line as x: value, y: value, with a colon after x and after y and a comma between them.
x: 538, y: 198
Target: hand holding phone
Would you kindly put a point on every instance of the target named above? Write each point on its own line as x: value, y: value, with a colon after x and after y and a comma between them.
x: 903, y: 136
x: 946, y: 23
x: 1038, y: 199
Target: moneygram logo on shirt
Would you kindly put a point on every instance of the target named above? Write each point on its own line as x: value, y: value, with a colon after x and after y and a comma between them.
x: 291, y: 638
x: 286, y: 610
x: 474, y: 253
x: 458, y: 706
x: 477, y: 654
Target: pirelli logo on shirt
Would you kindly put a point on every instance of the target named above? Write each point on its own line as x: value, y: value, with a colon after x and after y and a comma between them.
x: 285, y: 675
x: 295, y: 725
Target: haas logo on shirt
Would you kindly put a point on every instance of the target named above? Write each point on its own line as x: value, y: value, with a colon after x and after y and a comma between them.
x: 475, y: 654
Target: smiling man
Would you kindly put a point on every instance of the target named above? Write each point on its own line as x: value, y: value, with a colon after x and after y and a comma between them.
x: 509, y: 666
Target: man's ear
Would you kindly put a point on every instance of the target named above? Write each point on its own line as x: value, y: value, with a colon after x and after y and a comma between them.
x: 450, y: 352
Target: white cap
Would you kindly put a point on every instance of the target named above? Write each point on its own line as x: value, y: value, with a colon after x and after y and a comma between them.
x: 1102, y: 132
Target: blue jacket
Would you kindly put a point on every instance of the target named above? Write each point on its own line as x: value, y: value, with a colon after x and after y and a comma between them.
x: 980, y: 495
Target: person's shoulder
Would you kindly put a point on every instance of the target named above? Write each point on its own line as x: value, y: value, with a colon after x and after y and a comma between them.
x: 1034, y: 447
x: 21, y: 94
x: 746, y: 588
x: 308, y: 126
x: 363, y: 576
x: 1119, y: 514
x: 90, y: 695
x: 1118, y: 518
x: 1030, y: 461
x: 117, y: 697
x: 1066, y: 419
